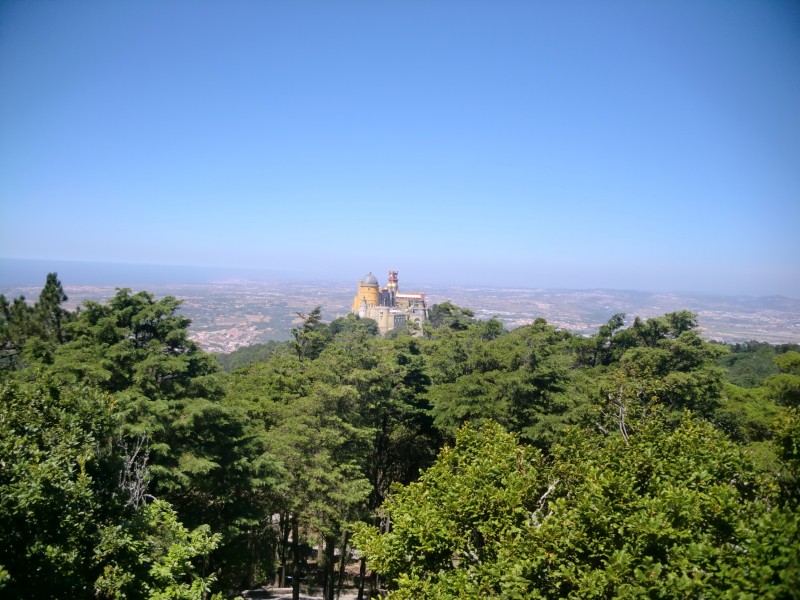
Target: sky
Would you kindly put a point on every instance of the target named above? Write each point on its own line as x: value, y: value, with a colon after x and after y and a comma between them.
x: 629, y: 145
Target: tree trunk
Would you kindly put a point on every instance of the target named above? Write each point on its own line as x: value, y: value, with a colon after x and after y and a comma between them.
x: 284, y: 545
x: 342, y: 563
x: 362, y: 573
x: 328, y: 568
x: 295, y: 559
x: 385, y: 527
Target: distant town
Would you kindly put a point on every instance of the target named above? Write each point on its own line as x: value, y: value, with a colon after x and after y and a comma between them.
x: 228, y: 315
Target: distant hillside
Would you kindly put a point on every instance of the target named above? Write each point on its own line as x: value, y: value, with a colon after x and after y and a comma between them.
x: 773, y: 319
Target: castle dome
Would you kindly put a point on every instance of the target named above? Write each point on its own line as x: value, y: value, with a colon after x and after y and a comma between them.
x: 369, y: 279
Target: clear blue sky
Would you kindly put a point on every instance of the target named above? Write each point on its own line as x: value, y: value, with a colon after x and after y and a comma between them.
x: 644, y: 145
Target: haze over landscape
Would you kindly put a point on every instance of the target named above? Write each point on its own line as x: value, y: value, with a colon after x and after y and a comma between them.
x: 547, y: 145
x: 234, y: 308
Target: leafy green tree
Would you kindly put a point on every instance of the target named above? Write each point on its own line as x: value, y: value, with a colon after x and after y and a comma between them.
x: 787, y: 441
x: 154, y: 556
x: 521, y: 379
x: 663, y: 513
x: 388, y: 381
x: 385, y: 384
x: 785, y: 386
x: 307, y: 419
x: 29, y: 334
x: 136, y: 343
x: 670, y: 365
x: 748, y: 365
x: 323, y: 486
x: 14, y: 325
x: 200, y: 454
x: 312, y: 336
x: 50, y: 315
x: 449, y: 316
x: 241, y: 357
x: 342, y: 426
x: 138, y: 348
x: 747, y: 415
x: 68, y: 525
x: 455, y: 517
x: 601, y: 349
x: 752, y: 400
x: 264, y: 392
x: 57, y: 487
x: 352, y: 323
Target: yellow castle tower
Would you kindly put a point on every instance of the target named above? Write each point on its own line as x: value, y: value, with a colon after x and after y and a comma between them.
x: 368, y: 293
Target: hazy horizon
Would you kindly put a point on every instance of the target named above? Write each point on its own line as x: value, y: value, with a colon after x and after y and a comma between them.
x: 646, y: 146
x: 16, y: 273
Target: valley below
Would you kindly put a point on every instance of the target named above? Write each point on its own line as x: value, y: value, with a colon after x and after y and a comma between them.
x: 230, y: 314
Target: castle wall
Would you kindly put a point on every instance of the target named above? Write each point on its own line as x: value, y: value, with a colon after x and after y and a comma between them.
x: 382, y: 316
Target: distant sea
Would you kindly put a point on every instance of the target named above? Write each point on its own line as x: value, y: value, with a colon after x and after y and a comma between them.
x: 24, y: 272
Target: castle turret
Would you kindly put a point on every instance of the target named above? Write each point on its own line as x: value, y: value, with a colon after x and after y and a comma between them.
x: 367, y: 291
x: 391, y: 288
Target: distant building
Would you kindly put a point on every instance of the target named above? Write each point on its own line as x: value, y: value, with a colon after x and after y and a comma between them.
x: 390, y: 308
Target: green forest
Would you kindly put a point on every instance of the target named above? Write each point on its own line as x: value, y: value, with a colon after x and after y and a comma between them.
x: 466, y: 462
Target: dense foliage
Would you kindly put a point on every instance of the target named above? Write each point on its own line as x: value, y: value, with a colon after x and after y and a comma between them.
x: 71, y: 528
x: 642, y: 461
x: 241, y: 357
x: 669, y: 512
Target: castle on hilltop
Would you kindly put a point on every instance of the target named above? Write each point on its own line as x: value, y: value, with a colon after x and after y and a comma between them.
x: 388, y: 306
